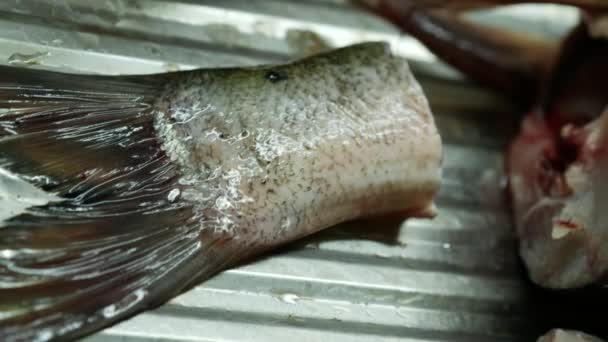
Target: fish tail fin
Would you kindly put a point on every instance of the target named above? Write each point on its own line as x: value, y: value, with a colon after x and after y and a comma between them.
x: 117, y: 238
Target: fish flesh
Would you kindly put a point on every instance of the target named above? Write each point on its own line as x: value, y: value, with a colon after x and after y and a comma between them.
x: 558, y: 209
x: 158, y: 182
x: 557, y: 167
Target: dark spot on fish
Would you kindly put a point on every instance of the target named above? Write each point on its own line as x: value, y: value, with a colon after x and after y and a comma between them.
x: 270, y: 191
x: 245, y: 134
x: 223, y: 135
x: 275, y: 76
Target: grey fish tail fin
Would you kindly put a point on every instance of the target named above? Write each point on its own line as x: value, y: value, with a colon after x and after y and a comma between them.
x: 118, y: 239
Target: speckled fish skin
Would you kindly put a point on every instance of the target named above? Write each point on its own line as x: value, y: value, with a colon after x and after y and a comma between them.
x: 336, y: 137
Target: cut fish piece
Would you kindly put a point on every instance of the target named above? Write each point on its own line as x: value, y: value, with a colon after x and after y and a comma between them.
x: 559, y: 201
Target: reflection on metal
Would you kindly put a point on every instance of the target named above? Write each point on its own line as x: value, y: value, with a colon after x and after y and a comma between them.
x: 454, y: 278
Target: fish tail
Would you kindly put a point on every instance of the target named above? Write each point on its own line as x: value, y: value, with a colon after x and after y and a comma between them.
x: 118, y: 238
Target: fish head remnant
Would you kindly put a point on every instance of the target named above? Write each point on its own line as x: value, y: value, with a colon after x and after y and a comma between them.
x: 279, y: 152
x: 557, y: 209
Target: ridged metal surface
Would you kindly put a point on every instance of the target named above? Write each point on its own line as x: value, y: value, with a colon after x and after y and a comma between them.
x: 455, y: 278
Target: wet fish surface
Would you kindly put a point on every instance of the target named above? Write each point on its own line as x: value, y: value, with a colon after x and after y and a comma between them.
x: 161, y: 181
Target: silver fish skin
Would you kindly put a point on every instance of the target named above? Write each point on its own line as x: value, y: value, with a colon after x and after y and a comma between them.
x: 338, y: 137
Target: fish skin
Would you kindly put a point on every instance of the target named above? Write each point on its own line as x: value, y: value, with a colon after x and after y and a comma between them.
x: 337, y: 137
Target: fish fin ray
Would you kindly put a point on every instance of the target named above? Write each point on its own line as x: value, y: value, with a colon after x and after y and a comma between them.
x: 119, y: 238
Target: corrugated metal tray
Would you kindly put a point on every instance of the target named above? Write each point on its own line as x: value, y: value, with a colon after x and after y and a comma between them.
x: 456, y: 278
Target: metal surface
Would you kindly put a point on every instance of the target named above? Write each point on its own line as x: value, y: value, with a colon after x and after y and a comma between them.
x: 455, y: 278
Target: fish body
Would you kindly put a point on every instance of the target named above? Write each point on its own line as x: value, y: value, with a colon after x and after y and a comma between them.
x: 285, y: 164
x: 162, y: 181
